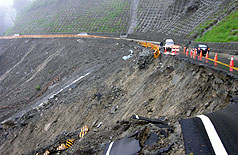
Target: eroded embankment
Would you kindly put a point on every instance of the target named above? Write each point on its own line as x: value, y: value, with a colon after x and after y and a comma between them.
x: 167, y: 89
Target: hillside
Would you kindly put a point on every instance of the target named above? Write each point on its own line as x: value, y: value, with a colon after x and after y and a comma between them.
x: 91, y: 91
x: 225, y: 31
x: 179, y: 18
x: 87, y: 82
x: 73, y: 16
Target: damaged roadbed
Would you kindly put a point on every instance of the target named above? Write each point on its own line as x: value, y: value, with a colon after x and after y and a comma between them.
x: 134, y: 103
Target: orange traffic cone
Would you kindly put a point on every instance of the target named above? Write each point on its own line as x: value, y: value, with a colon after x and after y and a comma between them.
x: 200, y: 55
x: 191, y: 53
x: 207, y: 55
x: 216, y: 57
x: 231, y: 64
x: 194, y: 54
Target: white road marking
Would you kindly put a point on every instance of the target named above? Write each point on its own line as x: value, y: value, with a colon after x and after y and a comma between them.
x: 109, y: 148
x: 215, y: 140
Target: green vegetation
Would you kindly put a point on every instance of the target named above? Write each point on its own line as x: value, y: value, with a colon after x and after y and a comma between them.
x: 225, y: 31
x: 44, y: 17
x: 38, y: 87
x: 203, y: 27
x: 8, y: 32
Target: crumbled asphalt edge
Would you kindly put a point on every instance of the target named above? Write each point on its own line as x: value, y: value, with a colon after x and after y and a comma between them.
x: 233, y: 91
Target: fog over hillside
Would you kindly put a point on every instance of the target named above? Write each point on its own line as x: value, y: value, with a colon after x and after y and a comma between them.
x: 8, y: 11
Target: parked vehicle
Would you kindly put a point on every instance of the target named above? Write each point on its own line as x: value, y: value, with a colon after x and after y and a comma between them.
x: 83, y: 34
x: 168, y: 44
x: 175, y: 48
x: 202, y: 48
x: 16, y: 35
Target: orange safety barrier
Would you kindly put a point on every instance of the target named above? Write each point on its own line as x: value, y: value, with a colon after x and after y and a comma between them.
x: 153, y: 47
x: 149, y: 44
x: 156, y: 54
x: 143, y: 44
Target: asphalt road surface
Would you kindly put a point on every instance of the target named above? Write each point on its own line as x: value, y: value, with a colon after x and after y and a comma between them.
x: 218, y: 137
x: 222, y: 64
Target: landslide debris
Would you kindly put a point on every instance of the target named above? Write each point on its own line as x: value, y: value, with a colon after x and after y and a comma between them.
x: 106, y: 100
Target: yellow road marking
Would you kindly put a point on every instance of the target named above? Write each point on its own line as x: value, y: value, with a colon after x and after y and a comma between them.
x: 235, y: 68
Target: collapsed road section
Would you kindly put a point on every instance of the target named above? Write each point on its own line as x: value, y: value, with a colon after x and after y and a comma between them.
x: 136, y: 101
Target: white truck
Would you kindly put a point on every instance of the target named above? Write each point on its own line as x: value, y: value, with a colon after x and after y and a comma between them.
x: 168, y: 44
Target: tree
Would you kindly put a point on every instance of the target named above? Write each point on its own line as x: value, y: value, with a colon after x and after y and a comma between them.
x: 19, y: 5
x: 3, y: 26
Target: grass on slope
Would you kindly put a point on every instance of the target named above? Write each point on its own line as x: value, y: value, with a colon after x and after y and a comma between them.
x: 225, y: 31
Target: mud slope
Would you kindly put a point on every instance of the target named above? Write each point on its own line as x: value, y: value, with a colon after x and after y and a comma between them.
x: 108, y: 91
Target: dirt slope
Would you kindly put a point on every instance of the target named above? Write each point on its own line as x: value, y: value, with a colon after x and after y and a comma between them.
x: 108, y: 89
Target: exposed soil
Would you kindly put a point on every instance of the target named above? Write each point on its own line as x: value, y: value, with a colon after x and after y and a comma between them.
x: 106, y: 93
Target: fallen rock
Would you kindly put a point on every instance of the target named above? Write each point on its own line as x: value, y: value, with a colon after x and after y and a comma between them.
x: 114, y: 109
x: 8, y: 124
x: 192, y: 6
x: 47, y: 126
x: 166, y: 149
x: 189, y: 113
x: 145, y: 58
x: 218, y: 81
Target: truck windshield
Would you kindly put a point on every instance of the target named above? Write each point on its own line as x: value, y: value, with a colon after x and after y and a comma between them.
x: 170, y: 43
x: 203, y: 46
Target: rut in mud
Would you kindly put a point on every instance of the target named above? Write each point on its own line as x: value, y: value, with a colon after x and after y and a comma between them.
x: 167, y: 88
